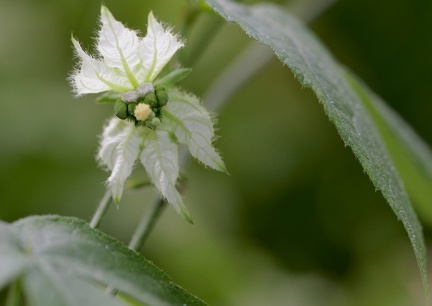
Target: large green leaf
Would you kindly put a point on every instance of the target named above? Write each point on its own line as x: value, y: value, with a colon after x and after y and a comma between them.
x: 62, y: 261
x: 411, y: 156
x: 359, y: 117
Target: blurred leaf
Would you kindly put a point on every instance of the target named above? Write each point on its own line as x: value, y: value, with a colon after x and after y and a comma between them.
x: 138, y: 182
x: 173, y: 77
x: 108, y: 97
x: 62, y: 261
x: 314, y: 67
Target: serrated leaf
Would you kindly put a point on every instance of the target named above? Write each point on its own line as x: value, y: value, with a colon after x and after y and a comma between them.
x: 160, y: 159
x: 311, y: 63
x: 410, y: 154
x: 94, y: 76
x: 157, y: 48
x: 68, y: 263
x: 193, y: 127
x: 119, y: 149
x: 125, y: 61
x: 119, y: 46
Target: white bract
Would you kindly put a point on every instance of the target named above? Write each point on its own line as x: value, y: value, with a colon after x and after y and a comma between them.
x: 125, y: 61
x: 128, y: 65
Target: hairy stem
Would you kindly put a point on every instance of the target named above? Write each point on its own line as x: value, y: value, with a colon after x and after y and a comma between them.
x: 146, y: 225
x: 102, y: 209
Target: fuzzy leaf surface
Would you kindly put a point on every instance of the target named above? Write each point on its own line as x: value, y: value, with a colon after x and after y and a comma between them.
x: 314, y: 67
x: 94, y: 76
x: 160, y: 159
x: 193, y: 127
x: 119, y: 149
x: 118, y: 45
x: 157, y: 48
x: 411, y: 155
x: 62, y: 261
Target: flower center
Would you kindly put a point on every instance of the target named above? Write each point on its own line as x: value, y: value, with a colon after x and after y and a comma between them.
x: 143, y: 106
x: 142, y: 112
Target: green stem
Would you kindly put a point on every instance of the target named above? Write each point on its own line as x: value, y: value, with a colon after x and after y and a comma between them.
x: 14, y: 294
x: 146, y: 225
x: 191, y: 15
x: 102, y: 209
x: 256, y: 56
x: 200, y: 36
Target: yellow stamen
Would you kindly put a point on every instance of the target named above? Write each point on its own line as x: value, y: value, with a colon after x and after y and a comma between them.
x: 142, y: 111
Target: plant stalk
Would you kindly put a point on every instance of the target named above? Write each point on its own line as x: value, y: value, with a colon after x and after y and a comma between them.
x: 102, y: 209
x: 146, y: 225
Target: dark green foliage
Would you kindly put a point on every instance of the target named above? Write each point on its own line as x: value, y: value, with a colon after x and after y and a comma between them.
x: 62, y: 261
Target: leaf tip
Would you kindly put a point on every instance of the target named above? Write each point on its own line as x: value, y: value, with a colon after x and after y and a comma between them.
x: 104, y: 10
x: 181, y: 209
x: 223, y: 168
x: 186, y: 216
x: 150, y: 15
x: 105, y: 15
x: 116, y: 199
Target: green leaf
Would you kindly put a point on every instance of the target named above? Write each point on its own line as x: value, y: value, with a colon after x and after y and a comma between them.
x: 193, y: 127
x: 411, y: 155
x: 173, y: 77
x: 62, y: 261
x: 48, y: 285
x: 343, y: 102
x: 108, y: 97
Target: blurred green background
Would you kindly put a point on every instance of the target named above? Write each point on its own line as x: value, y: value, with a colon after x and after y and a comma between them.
x: 296, y: 223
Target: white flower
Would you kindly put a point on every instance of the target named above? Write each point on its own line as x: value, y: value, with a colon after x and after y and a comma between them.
x: 124, y: 61
x: 158, y: 118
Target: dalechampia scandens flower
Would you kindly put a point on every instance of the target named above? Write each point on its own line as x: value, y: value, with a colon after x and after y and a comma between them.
x: 152, y: 116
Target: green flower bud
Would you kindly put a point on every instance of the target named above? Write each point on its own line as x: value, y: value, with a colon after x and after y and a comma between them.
x: 156, y: 121
x: 159, y: 87
x: 162, y: 97
x: 150, y: 99
x: 121, y: 110
x: 131, y: 108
